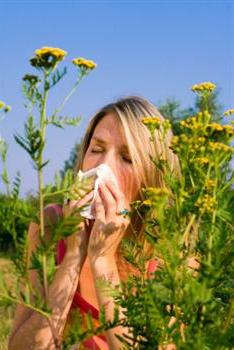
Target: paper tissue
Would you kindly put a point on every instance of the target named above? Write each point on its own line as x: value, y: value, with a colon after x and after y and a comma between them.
x: 101, y: 173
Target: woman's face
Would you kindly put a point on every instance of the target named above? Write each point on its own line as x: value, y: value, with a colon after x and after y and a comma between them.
x: 108, y: 145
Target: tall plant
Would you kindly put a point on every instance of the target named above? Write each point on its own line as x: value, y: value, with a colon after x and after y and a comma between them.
x: 36, y: 89
x: 187, y: 301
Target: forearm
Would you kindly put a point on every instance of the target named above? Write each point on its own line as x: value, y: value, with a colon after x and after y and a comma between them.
x: 106, y: 268
x: 35, y: 333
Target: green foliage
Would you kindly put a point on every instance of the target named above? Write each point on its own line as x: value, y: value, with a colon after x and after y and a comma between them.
x: 188, y: 300
x: 36, y: 89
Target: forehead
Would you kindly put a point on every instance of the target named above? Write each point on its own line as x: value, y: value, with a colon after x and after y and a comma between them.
x: 110, y: 129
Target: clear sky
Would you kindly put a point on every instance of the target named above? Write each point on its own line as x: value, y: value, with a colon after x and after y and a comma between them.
x: 156, y: 49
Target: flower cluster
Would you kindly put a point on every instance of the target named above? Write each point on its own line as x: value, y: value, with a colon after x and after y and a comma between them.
x: 84, y: 64
x: 229, y: 112
x: 31, y: 79
x: 47, y: 57
x: 155, y: 194
x: 203, y: 87
x: 197, y: 122
x: 4, y: 107
x: 206, y: 204
x: 156, y: 123
x: 200, y: 160
x: 220, y: 147
x: 209, y: 185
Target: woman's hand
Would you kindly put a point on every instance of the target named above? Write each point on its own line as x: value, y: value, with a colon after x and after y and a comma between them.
x: 77, y: 242
x: 109, y: 226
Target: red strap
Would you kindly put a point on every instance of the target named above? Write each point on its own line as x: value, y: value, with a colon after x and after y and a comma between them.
x: 83, y: 305
x: 151, y: 268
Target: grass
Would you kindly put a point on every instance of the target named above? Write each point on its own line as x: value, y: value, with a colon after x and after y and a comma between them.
x: 6, y: 313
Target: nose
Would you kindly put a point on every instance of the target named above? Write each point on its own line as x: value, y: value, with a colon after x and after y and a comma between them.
x: 109, y: 158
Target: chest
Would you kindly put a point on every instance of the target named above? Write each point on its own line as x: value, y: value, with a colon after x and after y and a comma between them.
x: 86, y: 285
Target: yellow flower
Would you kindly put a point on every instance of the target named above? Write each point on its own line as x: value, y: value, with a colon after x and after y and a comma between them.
x: 202, y: 160
x: 152, y: 123
x: 215, y: 127
x: 229, y: 129
x: 203, y: 87
x: 83, y: 63
x: 47, y: 57
x: 4, y: 107
x: 207, y: 203
x: 209, y: 184
x: 218, y: 146
x: 229, y: 112
x: 155, y: 192
x: 51, y: 51
x: 147, y: 202
x: 166, y: 125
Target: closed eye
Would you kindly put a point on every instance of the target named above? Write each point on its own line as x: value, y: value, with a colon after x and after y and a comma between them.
x: 96, y: 150
x: 127, y: 159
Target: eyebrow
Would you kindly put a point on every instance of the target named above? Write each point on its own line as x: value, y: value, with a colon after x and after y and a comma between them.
x: 101, y: 141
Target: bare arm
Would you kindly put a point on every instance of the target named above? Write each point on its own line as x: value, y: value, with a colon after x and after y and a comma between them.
x: 106, y: 268
x: 30, y: 329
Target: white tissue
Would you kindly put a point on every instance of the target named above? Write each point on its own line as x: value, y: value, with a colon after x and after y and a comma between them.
x: 103, y: 172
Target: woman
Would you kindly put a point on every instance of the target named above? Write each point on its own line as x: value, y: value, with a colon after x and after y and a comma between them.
x: 117, y: 137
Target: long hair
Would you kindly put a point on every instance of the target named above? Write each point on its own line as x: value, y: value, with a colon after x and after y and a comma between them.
x: 142, y: 148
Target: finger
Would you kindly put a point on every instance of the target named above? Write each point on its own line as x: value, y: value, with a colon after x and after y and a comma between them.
x: 118, y: 195
x: 109, y: 201
x: 99, y: 208
x: 76, y: 204
x: 87, y: 198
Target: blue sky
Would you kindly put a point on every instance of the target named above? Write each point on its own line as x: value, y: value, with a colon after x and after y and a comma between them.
x: 156, y: 49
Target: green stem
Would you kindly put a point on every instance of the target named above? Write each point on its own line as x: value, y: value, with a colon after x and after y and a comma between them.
x: 55, y: 193
x: 186, y: 232
x: 17, y: 301
x: 41, y: 200
x: 40, y: 180
x: 58, y: 110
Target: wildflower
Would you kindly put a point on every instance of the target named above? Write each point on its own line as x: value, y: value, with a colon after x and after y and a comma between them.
x: 147, y: 202
x: 7, y: 109
x: 203, y: 87
x: 152, y: 123
x: 31, y: 79
x: 207, y: 204
x: 47, y: 57
x: 201, y: 160
x: 84, y: 64
x: 166, y: 125
x: 209, y: 184
x: 229, y: 129
x: 156, y: 192
x: 229, y: 112
x: 215, y: 127
x: 218, y: 146
x: 4, y: 107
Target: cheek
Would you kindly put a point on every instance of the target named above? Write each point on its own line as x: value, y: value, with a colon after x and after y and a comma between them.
x: 128, y: 184
x: 88, y: 162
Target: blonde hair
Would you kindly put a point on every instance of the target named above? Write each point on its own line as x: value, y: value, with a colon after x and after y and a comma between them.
x: 130, y: 111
